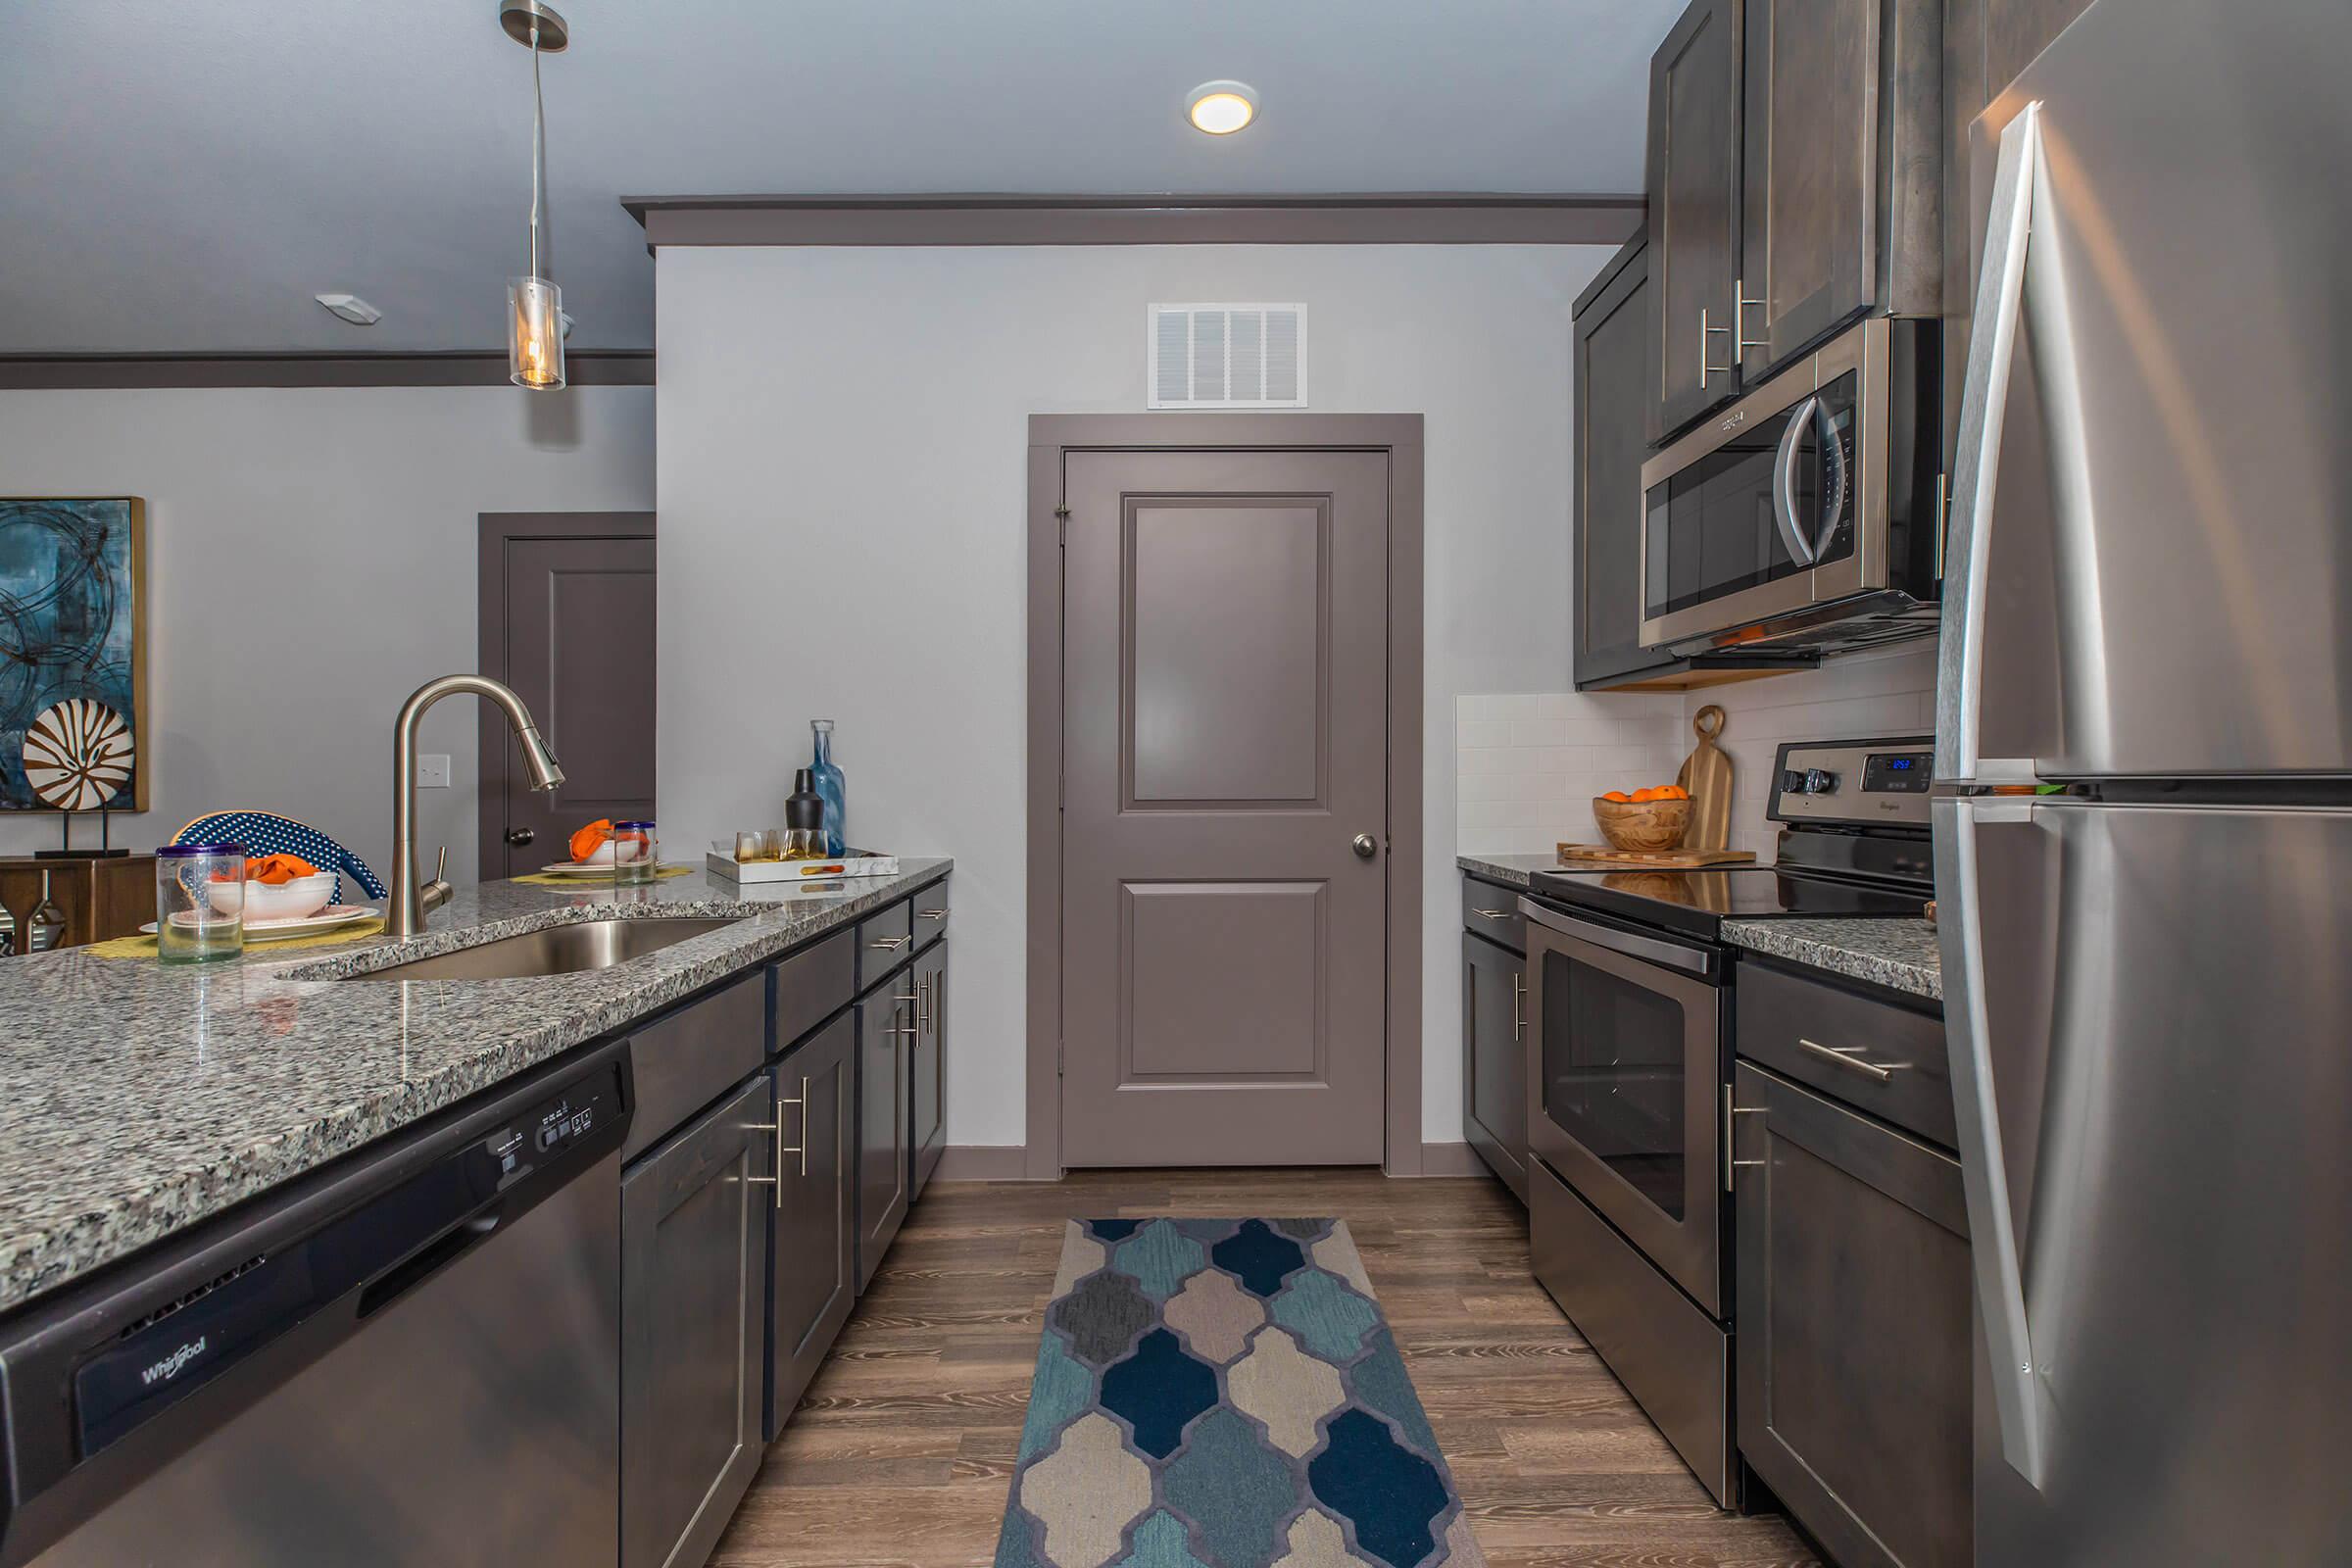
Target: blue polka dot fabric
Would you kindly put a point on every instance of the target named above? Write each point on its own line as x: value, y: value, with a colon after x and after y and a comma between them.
x: 267, y: 833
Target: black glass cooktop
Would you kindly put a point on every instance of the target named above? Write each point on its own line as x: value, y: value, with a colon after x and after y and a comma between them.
x: 1699, y: 901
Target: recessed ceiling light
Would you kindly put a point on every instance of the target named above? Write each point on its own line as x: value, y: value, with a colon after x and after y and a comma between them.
x: 1221, y: 107
x: 353, y: 308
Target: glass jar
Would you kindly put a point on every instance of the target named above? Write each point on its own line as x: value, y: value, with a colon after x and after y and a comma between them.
x: 199, y: 902
x: 636, y: 851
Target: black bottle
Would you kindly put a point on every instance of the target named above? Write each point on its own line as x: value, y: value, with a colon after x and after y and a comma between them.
x: 805, y: 818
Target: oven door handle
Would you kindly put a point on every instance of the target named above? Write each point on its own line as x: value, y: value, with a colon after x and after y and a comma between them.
x: 1784, y: 483
x: 1649, y: 950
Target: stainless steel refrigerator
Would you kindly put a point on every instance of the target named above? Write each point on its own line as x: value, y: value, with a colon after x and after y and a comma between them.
x: 2148, y: 974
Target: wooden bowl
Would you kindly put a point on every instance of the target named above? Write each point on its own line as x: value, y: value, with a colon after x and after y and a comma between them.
x: 1650, y: 825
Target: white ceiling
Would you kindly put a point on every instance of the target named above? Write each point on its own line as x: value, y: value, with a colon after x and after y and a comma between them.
x: 181, y: 176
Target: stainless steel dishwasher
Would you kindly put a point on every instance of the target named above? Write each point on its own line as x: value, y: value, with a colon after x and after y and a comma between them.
x: 411, y: 1357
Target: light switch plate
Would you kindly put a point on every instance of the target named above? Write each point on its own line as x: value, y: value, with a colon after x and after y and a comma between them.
x: 432, y: 772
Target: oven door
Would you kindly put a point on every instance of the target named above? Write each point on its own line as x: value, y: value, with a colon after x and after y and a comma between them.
x: 1626, y: 1065
x: 1765, y: 511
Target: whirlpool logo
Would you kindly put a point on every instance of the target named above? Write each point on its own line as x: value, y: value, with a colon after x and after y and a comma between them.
x: 168, y: 1367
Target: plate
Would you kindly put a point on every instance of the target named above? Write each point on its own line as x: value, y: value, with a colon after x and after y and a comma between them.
x: 580, y: 869
x: 333, y: 917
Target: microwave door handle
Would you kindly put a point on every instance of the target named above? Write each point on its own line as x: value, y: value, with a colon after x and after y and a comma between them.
x: 1784, y: 483
x: 1976, y: 458
x: 1833, y: 456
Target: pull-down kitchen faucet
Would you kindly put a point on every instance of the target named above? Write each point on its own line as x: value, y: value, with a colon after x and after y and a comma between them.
x: 411, y: 903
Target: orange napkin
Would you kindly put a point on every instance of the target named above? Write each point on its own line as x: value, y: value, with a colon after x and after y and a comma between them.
x: 588, y: 840
x: 273, y: 870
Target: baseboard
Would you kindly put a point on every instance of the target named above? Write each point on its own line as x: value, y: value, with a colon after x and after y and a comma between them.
x: 983, y: 1162
x: 1451, y: 1159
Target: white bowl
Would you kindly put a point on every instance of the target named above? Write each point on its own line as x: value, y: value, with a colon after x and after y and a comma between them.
x: 602, y: 855
x: 289, y: 901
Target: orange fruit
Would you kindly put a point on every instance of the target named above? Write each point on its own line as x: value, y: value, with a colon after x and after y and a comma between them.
x: 1619, y: 796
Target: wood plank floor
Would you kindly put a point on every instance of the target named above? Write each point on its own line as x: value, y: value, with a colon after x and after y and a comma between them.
x: 902, y: 1450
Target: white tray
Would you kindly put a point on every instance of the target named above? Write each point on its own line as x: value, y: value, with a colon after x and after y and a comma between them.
x: 858, y: 863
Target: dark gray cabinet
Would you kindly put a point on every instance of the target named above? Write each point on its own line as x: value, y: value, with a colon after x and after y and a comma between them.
x: 885, y: 1117
x: 1693, y: 188
x: 813, y: 1276
x: 1612, y: 352
x: 1494, y: 1058
x: 1842, y: 152
x: 927, y: 1087
x: 1855, y: 1336
x: 694, y: 1222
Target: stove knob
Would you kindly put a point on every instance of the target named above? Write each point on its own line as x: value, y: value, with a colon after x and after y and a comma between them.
x: 1792, y: 782
x: 1819, y: 781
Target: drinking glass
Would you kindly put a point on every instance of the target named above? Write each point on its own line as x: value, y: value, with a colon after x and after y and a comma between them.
x: 199, y: 902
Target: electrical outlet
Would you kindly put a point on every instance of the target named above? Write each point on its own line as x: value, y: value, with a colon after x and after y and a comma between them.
x: 432, y: 772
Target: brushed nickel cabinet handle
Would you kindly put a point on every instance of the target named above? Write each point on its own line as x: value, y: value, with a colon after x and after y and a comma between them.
x: 1739, y: 307
x: 889, y: 944
x: 782, y: 1149
x: 1847, y: 1058
x: 1731, y: 1138
x: 1518, y: 1005
x: 1492, y: 914
x: 931, y: 915
x: 1706, y: 366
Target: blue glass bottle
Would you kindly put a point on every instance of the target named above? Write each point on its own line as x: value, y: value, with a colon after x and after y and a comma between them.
x: 831, y: 788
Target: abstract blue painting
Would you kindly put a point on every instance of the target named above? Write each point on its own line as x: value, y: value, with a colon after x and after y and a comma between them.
x: 71, y: 625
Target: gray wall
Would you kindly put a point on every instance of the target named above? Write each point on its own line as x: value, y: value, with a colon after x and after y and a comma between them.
x: 842, y: 489
x: 311, y: 561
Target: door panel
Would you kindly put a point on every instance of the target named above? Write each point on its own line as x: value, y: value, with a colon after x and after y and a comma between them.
x: 567, y: 621
x: 693, y: 1259
x: 1693, y: 188
x: 1494, y: 1059
x: 815, y: 1258
x: 1225, y: 738
x: 928, y: 1091
x: 1613, y: 410
x: 2153, y: 1108
x: 885, y: 1025
x: 1812, y: 233
x: 1854, y: 1374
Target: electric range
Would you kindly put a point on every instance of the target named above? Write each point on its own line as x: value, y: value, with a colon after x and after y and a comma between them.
x: 1628, y: 1065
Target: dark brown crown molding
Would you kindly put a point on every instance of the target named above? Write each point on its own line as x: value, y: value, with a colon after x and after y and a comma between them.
x: 1402, y: 218
x: 63, y: 372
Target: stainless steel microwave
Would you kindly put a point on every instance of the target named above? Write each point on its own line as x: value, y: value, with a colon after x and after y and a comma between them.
x: 1809, y: 514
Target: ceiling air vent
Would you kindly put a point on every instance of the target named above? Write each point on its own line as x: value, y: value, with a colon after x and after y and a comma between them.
x: 1228, y: 356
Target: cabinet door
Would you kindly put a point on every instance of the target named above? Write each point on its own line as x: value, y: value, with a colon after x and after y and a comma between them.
x: 928, y: 1075
x: 1494, y: 1058
x: 1611, y: 413
x: 1854, y: 1330
x: 1693, y: 189
x: 885, y: 1036
x: 694, y: 1217
x: 1841, y: 144
x: 814, y: 1269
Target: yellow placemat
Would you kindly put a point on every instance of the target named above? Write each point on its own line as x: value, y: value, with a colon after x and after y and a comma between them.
x: 144, y: 946
x: 542, y: 879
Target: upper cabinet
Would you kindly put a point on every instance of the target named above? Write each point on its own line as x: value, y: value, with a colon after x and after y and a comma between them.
x: 1796, y: 184
x: 1694, y: 187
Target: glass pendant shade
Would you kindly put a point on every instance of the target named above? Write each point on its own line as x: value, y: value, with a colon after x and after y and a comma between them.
x: 534, y: 333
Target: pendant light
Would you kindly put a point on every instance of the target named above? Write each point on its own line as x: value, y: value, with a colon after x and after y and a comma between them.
x: 534, y: 305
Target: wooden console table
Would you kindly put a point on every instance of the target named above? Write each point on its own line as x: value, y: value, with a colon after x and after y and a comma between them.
x: 99, y: 899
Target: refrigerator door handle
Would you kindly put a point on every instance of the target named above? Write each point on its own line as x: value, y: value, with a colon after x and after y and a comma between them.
x: 1984, y: 399
x: 1995, y: 1253
x: 1784, y: 483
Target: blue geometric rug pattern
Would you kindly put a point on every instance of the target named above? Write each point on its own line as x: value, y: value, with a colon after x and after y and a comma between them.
x: 1224, y: 1394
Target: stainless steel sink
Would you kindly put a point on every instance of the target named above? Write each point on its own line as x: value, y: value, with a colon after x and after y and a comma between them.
x: 556, y: 950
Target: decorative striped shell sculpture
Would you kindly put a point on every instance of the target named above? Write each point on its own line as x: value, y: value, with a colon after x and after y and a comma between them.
x: 78, y: 754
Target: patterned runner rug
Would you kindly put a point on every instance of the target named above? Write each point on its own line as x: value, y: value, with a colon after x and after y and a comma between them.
x: 1224, y: 1394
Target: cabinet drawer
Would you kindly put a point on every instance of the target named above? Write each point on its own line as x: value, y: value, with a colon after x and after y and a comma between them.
x: 1887, y: 1060
x: 687, y: 1059
x: 930, y: 913
x: 885, y: 940
x: 1493, y: 911
x: 811, y: 985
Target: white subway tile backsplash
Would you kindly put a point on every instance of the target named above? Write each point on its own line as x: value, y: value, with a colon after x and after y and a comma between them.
x: 1528, y: 764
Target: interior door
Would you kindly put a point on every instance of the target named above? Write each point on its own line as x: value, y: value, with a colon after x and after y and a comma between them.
x: 1694, y: 186
x: 1224, y: 798
x: 567, y: 621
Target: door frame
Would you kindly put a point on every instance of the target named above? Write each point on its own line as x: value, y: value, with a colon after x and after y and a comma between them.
x: 1052, y: 437
x: 494, y: 763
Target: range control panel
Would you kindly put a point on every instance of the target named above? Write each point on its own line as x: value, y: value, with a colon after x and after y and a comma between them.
x: 1861, y: 783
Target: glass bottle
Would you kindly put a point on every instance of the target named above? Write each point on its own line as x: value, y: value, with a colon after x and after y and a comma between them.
x: 831, y: 788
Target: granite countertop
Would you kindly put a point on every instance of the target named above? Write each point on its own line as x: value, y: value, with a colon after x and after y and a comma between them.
x: 138, y: 1099
x: 1509, y: 868
x: 1896, y: 952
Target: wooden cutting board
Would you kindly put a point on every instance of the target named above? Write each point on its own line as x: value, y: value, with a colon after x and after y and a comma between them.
x: 1684, y: 859
x: 1707, y: 774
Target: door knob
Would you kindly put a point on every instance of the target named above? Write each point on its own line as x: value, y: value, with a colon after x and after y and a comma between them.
x: 1365, y: 844
x: 520, y: 836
